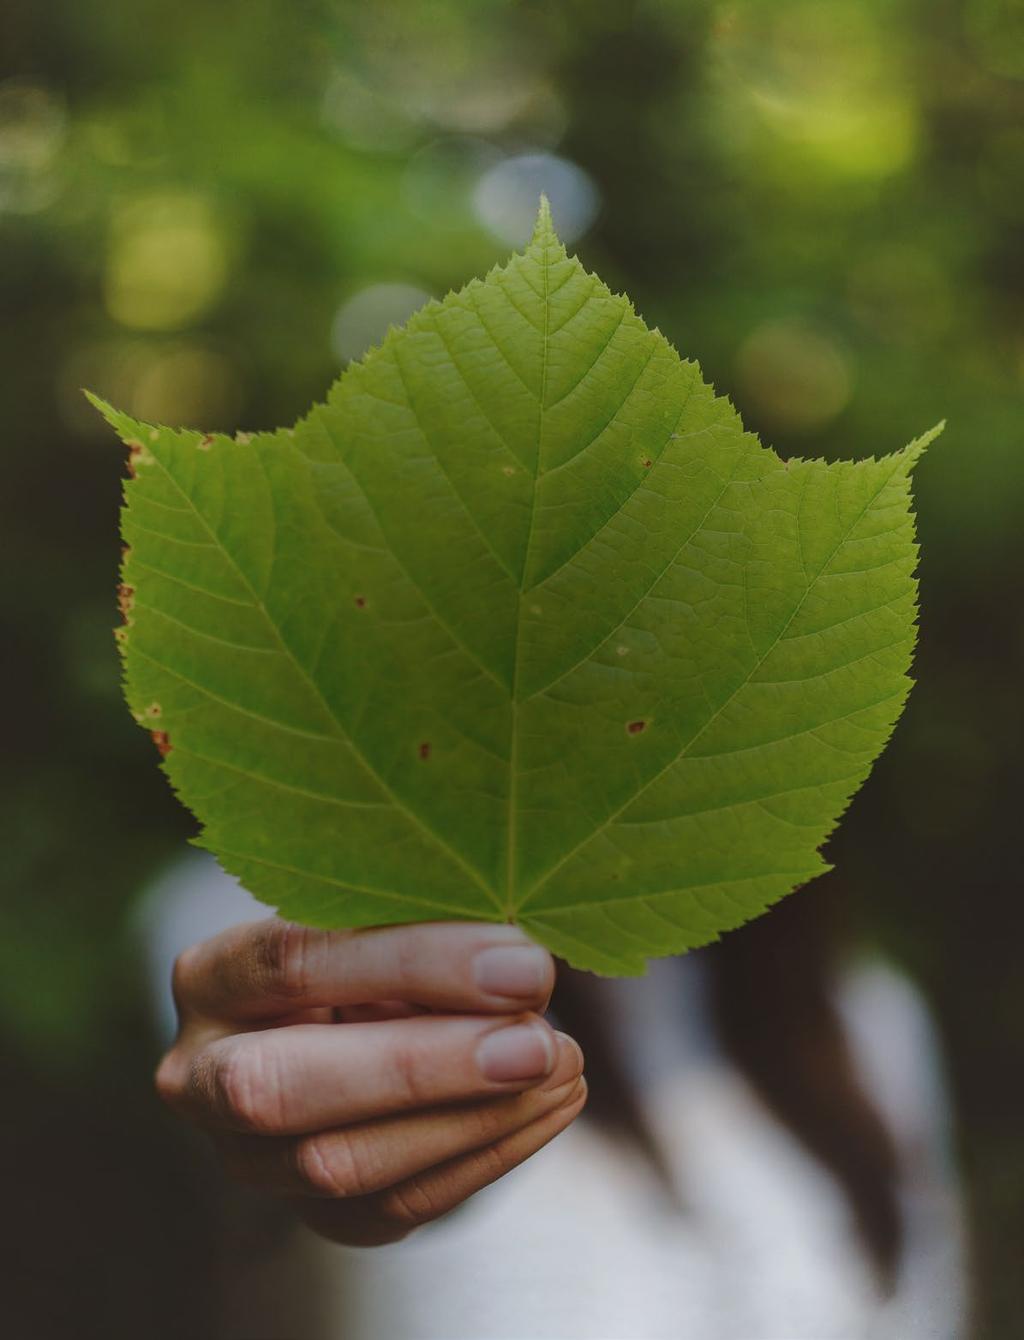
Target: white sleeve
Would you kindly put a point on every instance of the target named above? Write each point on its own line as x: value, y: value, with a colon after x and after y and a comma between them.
x: 898, y: 1055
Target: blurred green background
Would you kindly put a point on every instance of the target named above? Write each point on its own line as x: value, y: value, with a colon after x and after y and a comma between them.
x: 206, y: 209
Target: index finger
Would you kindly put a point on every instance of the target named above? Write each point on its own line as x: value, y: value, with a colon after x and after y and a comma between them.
x: 266, y: 969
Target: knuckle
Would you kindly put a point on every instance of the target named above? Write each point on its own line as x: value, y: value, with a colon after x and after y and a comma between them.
x: 407, y: 1077
x: 409, y: 1206
x: 283, y: 955
x: 184, y: 976
x: 320, y: 1173
x: 242, y: 1087
x: 490, y: 1163
x: 335, y: 1165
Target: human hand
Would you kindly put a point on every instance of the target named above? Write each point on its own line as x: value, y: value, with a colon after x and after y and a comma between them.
x: 375, y: 1078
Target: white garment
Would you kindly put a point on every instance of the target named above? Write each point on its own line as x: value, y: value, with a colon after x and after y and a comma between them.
x: 581, y: 1240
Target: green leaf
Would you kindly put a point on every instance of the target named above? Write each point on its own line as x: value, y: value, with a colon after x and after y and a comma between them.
x: 519, y: 625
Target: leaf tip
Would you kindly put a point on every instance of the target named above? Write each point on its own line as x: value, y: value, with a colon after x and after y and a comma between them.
x: 913, y: 452
x: 120, y: 422
x: 99, y: 404
x: 544, y: 228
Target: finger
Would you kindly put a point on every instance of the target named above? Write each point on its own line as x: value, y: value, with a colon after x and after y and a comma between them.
x: 271, y: 968
x: 309, y: 1077
x: 321, y: 1015
x: 370, y: 1156
x: 391, y: 1215
x: 380, y: 1009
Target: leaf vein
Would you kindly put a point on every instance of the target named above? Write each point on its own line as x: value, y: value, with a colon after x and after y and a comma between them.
x: 715, y: 715
x: 412, y: 816
x: 461, y: 912
x: 594, y: 362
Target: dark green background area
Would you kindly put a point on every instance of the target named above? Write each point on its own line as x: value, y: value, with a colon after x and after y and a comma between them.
x: 821, y: 200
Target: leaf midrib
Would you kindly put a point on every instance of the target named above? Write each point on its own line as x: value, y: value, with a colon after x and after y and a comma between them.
x: 512, y: 833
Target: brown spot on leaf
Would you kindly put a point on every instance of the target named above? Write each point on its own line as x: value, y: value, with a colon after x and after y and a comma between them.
x: 205, y: 443
x: 162, y: 741
x: 360, y: 602
x: 636, y: 727
x: 425, y: 749
x: 137, y: 455
x: 648, y: 464
x: 125, y: 597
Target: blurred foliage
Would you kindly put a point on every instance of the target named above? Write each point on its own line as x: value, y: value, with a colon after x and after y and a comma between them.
x: 822, y: 200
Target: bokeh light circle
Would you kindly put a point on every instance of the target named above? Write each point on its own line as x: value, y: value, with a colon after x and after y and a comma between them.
x: 793, y: 376
x: 363, y: 320
x: 506, y: 197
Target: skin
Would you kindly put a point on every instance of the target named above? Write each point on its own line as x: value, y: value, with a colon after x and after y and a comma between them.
x: 375, y: 1079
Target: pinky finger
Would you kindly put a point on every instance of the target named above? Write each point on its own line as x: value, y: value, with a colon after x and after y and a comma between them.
x: 391, y: 1215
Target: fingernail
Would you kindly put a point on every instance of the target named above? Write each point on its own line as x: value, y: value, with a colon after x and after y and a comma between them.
x: 523, y: 1051
x: 520, y: 971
